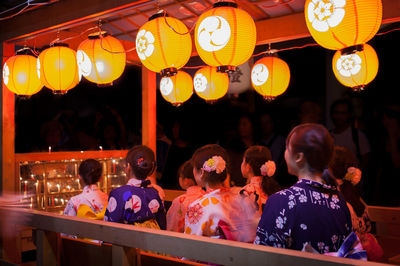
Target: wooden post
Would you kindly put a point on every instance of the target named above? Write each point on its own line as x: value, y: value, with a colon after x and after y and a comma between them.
x: 46, y: 243
x: 124, y: 256
x: 149, y: 111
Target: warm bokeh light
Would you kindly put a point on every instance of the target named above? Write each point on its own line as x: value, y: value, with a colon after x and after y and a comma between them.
x: 356, y: 69
x: 225, y: 36
x: 20, y: 75
x: 177, y: 89
x: 101, y: 58
x: 270, y: 77
x: 58, y: 68
x: 209, y: 84
x: 336, y: 24
x: 162, y: 49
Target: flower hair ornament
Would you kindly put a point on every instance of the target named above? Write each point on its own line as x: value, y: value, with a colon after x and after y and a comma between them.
x: 215, y: 163
x: 268, y: 168
x: 353, y: 175
x: 140, y: 161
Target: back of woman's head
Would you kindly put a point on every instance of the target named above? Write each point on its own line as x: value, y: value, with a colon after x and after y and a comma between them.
x: 213, y: 159
x: 90, y: 171
x: 342, y: 159
x: 316, y: 144
x: 186, y: 170
x: 141, y: 159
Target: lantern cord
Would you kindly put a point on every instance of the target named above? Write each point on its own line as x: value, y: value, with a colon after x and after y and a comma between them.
x: 172, y: 28
x: 126, y: 51
x: 28, y: 7
x: 382, y: 33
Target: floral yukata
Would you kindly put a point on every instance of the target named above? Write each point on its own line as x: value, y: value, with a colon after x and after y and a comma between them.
x: 254, y: 191
x: 177, y: 211
x: 221, y: 213
x: 309, y: 212
x: 91, y: 196
x: 135, y: 203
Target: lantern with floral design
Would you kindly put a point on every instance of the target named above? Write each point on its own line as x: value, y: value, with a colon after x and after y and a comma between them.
x: 209, y: 84
x: 101, y: 58
x: 163, y: 44
x: 270, y: 77
x: 177, y: 89
x: 336, y: 24
x: 58, y: 68
x: 356, y: 68
x: 225, y: 36
x: 20, y: 75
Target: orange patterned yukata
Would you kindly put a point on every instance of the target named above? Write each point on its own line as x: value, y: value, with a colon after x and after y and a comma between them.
x: 254, y: 191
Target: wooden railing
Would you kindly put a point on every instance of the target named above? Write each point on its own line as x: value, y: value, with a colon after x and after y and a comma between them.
x: 122, y: 237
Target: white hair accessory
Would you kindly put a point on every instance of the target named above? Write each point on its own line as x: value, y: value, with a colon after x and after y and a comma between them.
x: 353, y: 175
x: 268, y: 169
x: 215, y: 163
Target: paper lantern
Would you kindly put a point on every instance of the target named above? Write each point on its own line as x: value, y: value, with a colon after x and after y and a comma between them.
x: 20, y: 75
x: 177, y: 89
x: 58, y: 68
x: 209, y: 84
x: 336, y: 24
x: 161, y: 48
x: 240, y: 80
x: 101, y: 58
x: 357, y: 68
x: 225, y: 36
x: 270, y: 77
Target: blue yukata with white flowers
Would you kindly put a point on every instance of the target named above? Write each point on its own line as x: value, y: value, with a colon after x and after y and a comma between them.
x: 135, y: 203
x: 308, y: 212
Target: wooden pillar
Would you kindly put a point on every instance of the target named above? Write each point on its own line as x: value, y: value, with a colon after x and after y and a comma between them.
x: 124, y: 256
x: 10, y: 247
x: 46, y: 253
x: 149, y: 111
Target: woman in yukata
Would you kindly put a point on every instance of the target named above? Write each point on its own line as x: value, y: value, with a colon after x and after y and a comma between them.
x: 92, y: 199
x: 137, y: 203
x: 176, y: 213
x: 258, y: 168
x: 220, y: 213
x: 312, y: 212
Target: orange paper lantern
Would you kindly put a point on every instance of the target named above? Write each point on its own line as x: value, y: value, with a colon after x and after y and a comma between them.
x: 161, y: 48
x: 356, y: 69
x: 336, y: 24
x: 225, y: 36
x: 177, y: 89
x: 20, y: 75
x: 209, y: 84
x: 58, y: 68
x: 270, y: 77
x: 101, y: 58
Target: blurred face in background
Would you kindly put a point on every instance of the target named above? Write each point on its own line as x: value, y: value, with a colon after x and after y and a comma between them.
x: 245, y: 127
x: 267, y: 125
x: 341, y: 116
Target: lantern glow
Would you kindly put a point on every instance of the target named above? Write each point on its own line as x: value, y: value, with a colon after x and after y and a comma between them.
x: 20, y: 75
x: 58, y: 68
x: 177, y: 89
x: 356, y: 69
x: 336, y: 24
x: 209, y: 84
x: 225, y: 36
x: 163, y: 44
x: 270, y: 77
x: 101, y: 58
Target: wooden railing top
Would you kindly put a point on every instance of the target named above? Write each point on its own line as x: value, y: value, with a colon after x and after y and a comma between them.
x: 218, y: 251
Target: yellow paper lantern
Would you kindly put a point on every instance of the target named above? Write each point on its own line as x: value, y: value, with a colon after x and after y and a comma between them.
x: 20, y: 75
x: 101, y: 58
x: 270, y: 77
x: 209, y: 84
x: 177, y: 89
x: 336, y: 24
x: 58, y: 68
x: 163, y: 44
x: 356, y: 69
x: 225, y: 36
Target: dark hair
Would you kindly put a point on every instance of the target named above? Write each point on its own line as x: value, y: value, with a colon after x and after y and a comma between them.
x: 90, y: 171
x: 186, y: 170
x: 342, y: 159
x: 142, y: 161
x: 256, y: 156
x: 315, y: 142
x: 204, y: 153
x: 341, y: 102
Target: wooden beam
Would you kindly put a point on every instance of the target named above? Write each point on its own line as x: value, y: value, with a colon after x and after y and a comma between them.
x: 149, y: 111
